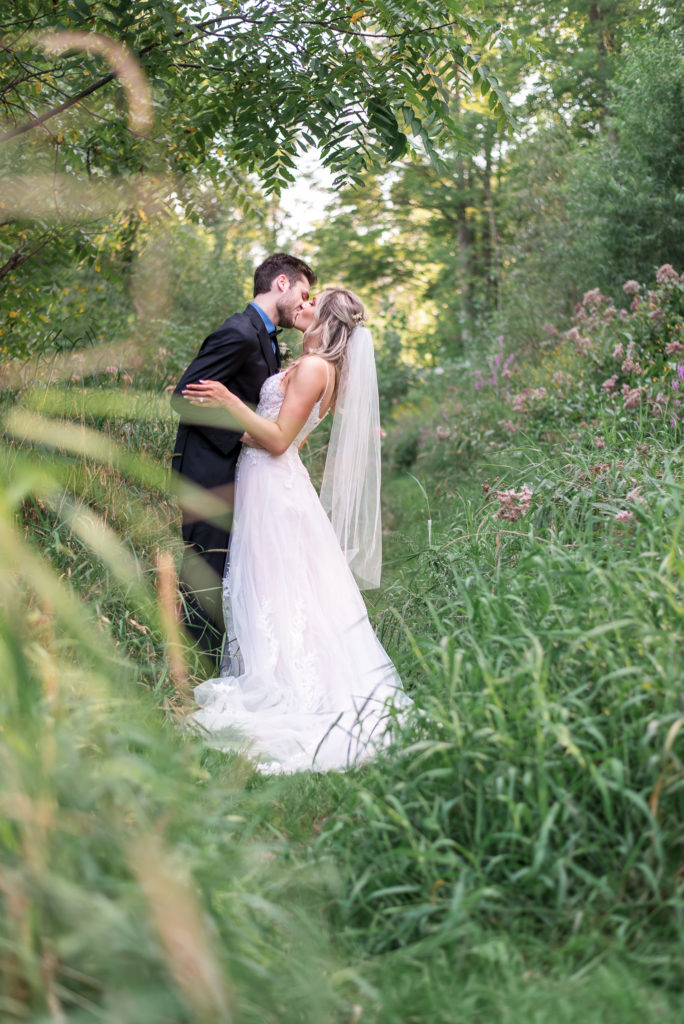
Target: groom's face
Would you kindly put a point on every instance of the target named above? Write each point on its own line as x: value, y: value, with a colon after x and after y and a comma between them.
x: 291, y: 301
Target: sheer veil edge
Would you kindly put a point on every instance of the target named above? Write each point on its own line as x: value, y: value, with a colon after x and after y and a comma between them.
x: 350, y: 492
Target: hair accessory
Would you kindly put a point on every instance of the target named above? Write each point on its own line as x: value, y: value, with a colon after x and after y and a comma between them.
x: 359, y: 319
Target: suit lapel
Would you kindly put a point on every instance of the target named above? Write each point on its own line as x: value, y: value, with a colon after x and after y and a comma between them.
x: 264, y: 340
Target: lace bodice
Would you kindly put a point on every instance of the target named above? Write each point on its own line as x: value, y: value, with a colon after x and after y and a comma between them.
x: 271, y: 399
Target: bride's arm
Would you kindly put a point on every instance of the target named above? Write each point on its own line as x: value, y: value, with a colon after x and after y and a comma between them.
x: 306, y: 383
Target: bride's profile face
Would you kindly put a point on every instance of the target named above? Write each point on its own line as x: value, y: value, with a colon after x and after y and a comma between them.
x: 304, y: 316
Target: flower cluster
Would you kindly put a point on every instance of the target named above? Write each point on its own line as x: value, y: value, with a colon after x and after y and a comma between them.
x: 499, y: 371
x: 513, y: 504
x: 526, y: 397
x: 667, y: 275
x: 624, y: 359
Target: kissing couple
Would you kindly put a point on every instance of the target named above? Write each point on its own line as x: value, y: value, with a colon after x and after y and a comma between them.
x: 309, y: 684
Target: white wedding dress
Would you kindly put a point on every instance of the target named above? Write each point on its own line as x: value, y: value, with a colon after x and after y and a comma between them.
x: 316, y: 689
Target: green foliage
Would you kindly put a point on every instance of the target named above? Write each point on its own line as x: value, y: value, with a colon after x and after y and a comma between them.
x: 255, y: 82
x: 493, y: 979
x: 625, y: 189
x: 537, y: 284
x: 503, y: 238
x: 581, y: 45
x: 612, y: 367
x: 235, y: 92
x: 121, y: 314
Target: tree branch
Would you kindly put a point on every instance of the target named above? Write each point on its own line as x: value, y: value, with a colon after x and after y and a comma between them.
x: 54, y: 111
x: 37, y: 121
x: 21, y: 255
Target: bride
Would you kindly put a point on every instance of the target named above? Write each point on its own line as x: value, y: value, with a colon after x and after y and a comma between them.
x: 316, y: 688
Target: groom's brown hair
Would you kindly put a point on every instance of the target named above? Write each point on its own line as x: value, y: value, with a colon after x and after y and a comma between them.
x: 281, y: 263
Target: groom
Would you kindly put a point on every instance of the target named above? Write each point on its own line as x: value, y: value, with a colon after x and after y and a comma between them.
x: 241, y: 354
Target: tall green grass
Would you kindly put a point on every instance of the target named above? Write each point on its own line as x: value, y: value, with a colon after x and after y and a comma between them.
x: 541, y: 790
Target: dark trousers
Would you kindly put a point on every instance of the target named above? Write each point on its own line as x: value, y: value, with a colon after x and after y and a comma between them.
x: 201, y: 580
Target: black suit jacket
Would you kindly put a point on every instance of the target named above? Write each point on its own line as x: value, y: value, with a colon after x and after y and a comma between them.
x: 240, y: 355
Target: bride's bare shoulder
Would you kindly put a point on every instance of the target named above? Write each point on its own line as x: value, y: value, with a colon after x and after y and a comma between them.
x: 309, y: 368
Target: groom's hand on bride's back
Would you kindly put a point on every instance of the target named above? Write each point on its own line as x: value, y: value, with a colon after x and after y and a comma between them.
x: 250, y: 441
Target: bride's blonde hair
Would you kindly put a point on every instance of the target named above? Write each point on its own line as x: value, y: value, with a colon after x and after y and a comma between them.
x: 336, y: 314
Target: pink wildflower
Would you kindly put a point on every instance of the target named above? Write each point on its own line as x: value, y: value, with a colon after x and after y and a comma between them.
x: 674, y: 348
x: 631, y: 287
x: 629, y: 366
x: 609, y: 384
x: 634, y: 304
x: 561, y: 379
x: 624, y: 516
x: 634, y: 496
x: 514, y: 504
x: 538, y: 394
x: 573, y: 335
x: 657, y: 314
x: 591, y: 298
x: 599, y: 442
x: 632, y: 398
x: 666, y: 273
x: 508, y: 425
x: 618, y: 351
x: 443, y: 433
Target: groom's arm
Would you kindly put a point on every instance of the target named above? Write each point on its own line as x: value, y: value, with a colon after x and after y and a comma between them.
x: 308, y: 382
x: 221, y: 357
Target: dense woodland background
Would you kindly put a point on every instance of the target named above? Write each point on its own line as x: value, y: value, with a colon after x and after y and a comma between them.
x: 508, y: 202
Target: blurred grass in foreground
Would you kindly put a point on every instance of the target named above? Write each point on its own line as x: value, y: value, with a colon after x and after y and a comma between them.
x: 130, y: 886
